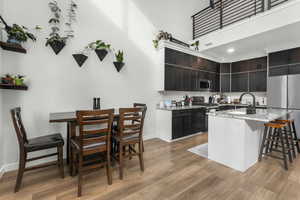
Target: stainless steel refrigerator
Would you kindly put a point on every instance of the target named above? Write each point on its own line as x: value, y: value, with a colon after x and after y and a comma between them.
x: 284, y: 93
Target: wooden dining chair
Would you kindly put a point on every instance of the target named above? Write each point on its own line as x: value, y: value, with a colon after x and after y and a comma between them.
x: 144, y: 106
x: 94, y: 139
x: 27, y: 146
x: 129, y: 133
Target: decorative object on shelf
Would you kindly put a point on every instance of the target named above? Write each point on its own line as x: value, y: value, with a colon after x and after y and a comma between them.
x: 212, y: 4
x: 55, y: 40
x: 19, y: 80
x: 13, y: 82
x: 7, y: 79
x: 195, y: 45
x: 161, y: 36
x: 16, y: 34
x: 119, y: 64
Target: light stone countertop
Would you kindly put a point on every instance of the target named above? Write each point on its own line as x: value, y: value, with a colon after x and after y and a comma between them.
x: 263, y: 115
x: 197, y: 107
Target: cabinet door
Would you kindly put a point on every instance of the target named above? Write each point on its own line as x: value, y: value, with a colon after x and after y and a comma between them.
x: 279, y: 71
x: 239, y: 82
x: 225, y: 82
x: 198, y: 121
x: 194, y: 81
x: 279, y: 58
x: 295, y: 56
x: 225, y: 68
x: 181, y: 123
x: 170, y: 78
x: 177, y: 127
x: 258, y: 81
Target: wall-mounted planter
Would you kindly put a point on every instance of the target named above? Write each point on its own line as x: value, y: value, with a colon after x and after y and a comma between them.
x: 119, y: 65
x: 57, y: 46
x: 80, y: 59
x: 101, y: 53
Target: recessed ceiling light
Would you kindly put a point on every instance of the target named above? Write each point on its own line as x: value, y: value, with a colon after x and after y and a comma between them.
x: 230, y: 50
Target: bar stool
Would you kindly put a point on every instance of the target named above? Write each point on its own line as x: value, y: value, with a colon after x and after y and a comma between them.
x: 275, y: 138
x: 292, y: 131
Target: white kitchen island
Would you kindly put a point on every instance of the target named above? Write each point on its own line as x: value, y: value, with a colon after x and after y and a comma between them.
x: 234, y: 137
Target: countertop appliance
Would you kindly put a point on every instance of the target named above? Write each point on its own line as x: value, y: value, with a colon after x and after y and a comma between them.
x: 198, y: 100
x: 283, y: 92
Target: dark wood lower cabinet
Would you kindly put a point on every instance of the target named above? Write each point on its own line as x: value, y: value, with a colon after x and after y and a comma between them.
x: 188, y: 122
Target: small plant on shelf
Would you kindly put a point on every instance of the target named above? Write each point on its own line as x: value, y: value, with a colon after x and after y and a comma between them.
x: 19, y: 80
x: 196, y: 45
x: 16, y: 35
x: 161, y: 36
x: 119, y: 60
x: 7, y: 79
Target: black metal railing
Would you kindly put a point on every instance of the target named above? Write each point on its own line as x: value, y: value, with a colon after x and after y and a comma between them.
x: 224, y: 13
x: 273, y: 3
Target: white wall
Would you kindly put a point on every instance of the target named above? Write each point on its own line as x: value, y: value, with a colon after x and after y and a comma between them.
x: 57, y: 84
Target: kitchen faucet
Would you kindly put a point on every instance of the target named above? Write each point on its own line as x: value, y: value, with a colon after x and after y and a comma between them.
x: 251, y: 109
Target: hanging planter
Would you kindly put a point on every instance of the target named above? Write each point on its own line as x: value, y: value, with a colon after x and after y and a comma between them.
x: 119, y: 64
x: 80, y: 58
x: 101, y: 53
x: 57, y: 45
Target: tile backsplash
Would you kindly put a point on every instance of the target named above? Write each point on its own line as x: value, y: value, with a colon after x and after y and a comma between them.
x: 261, y: 97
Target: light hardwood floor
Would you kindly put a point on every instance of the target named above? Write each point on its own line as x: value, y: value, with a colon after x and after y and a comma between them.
x: 171, y: 173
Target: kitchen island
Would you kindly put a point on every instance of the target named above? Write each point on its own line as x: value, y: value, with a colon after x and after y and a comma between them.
x: 234, y: 137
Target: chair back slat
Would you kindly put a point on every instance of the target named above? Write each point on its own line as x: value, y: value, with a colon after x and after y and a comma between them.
x: 94, y: 127
x: 19, y: 127
x: 130, y: 122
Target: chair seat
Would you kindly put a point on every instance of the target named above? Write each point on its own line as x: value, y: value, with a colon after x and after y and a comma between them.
x: 128, y: 137
x: 44, y: 142
x: 75, y: 142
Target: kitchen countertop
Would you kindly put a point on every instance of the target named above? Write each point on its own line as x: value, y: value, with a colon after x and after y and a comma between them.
x: 263, y: 115
x: 201, y: 106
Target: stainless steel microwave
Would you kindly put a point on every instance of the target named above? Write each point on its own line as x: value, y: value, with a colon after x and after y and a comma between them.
x: 204, y: 84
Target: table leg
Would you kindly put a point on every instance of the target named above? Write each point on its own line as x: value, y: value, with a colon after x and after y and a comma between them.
x: 68, y: 142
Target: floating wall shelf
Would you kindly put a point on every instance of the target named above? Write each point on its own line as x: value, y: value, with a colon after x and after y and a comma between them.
x: 13, y: 87
x: 12, y: 47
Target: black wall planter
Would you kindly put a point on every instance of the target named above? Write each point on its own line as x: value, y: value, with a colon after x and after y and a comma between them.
x: 119, y: 65
x: 101, y: 53
x: 80, y: 58
x: 57, y: 46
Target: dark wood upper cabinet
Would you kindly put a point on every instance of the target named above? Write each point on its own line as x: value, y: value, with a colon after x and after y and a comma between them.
x: 279, y: 58
x: 225, y: 82
x: 258, y: 81
x: 294, y: 56
x: 239, y: 82
x: 249, y: 65
x: 225, y: 68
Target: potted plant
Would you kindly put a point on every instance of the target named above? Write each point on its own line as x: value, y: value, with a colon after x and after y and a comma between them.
x: 56, y: 41
x: 7, y: 79
x: 196, y: 45
x: 101, y: 48
x: 119, y: 60
x: 161, y: 36
x: 19, y: 80
x: 18, y: 34
x: 81, y: 56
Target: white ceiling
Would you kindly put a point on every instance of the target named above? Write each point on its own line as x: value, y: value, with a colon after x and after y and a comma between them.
x: 258, y: 45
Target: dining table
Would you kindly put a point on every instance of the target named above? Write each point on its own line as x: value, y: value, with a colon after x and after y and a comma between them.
x: 70, y: 119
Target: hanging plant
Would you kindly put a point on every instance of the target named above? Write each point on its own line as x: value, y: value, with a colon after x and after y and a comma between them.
x: 100, y: 48
x: 119, y: 64
x: 196, y: 45
x: 161, y: 36
x: 55, y: 40
x: 80, y: 58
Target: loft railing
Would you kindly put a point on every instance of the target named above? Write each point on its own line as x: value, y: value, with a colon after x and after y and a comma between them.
x: 226, y: 12
x: 273, y: 3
